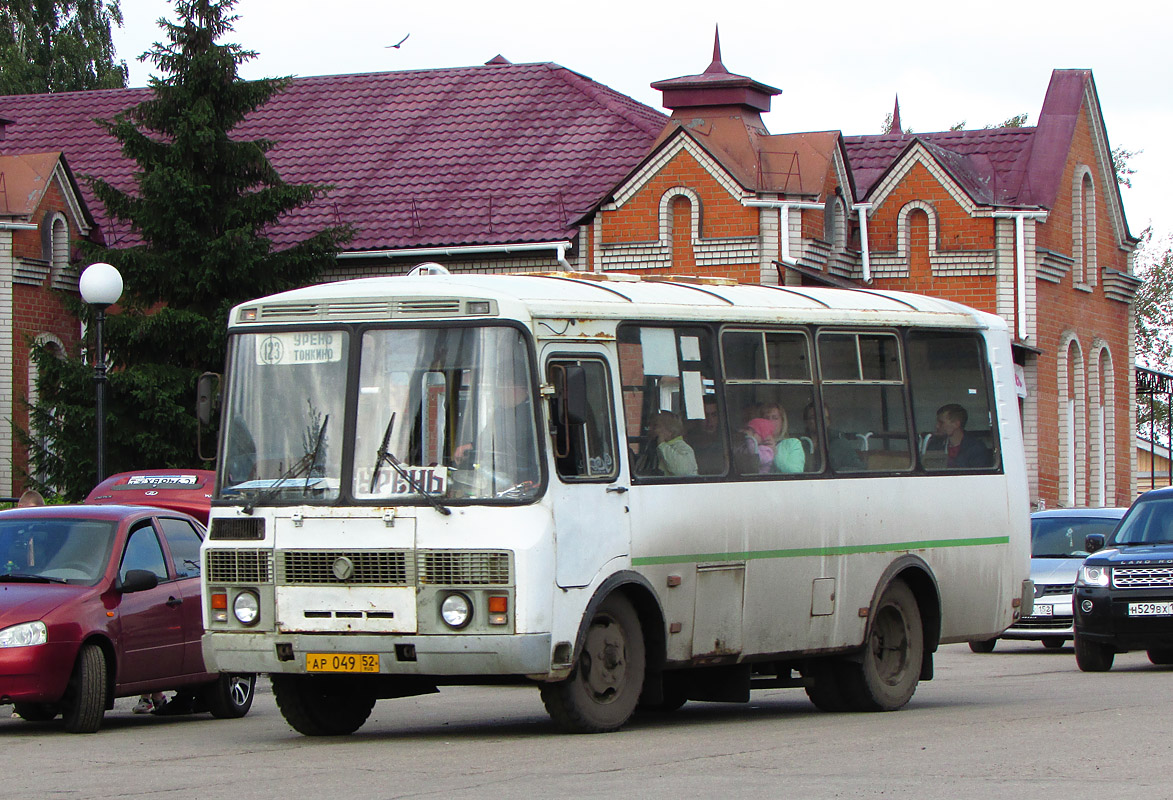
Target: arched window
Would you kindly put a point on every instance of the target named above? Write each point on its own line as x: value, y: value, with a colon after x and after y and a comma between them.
x: 680, y: 224
x: 1072, y: 423
x: 835, y: 224
x: 1102, y: 399
x: 1083, y: 228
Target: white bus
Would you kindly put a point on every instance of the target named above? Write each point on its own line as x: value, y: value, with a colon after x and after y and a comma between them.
x: 627, y: 492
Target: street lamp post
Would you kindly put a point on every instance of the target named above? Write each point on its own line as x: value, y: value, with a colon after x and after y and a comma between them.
x: 101, y: 286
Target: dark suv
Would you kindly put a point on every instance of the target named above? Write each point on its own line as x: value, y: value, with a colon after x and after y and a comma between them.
x: 1124, y: 591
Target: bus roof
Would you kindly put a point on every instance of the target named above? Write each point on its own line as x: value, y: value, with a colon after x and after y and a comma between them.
x: 602, y: 295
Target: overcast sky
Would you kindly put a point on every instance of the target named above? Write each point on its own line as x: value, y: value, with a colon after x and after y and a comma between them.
x: 839, y: 66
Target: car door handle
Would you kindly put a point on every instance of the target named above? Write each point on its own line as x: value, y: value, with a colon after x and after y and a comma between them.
x: 174, y: 601
x: 617, y: 489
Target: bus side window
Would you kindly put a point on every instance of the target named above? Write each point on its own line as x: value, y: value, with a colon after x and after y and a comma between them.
x: 583, y: 439
x: 955, y: 424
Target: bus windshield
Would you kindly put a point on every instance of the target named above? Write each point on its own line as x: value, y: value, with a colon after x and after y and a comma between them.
x: 442, y: 414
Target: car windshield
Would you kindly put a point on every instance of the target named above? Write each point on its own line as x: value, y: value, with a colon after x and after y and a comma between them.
x: 54, y: 550
x: 440, y: 415
x: 1149, y: 522
x: 1063, y: 537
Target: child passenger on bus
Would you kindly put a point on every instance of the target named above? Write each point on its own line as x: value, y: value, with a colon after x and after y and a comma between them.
x: 674, y: 456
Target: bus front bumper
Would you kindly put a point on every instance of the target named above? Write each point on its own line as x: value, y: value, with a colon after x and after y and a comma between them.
x: 439, y: 655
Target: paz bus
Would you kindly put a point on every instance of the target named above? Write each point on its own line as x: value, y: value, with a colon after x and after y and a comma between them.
x: 627, y: 492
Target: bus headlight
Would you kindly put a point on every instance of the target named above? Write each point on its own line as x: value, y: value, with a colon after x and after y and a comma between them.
x: 25, y: 634
x: 456, y: 610
x: 1094, y: 576
x: 247, y: 608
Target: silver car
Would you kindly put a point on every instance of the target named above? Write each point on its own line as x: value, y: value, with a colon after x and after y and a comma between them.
x: 1057, y: 552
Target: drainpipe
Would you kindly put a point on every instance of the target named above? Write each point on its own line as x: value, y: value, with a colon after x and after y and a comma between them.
x: 783, y: 207
x: 865, y: 252
x: 1020, y: 261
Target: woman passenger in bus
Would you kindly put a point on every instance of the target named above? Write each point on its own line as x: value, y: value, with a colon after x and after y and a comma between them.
x: 789, y: 456
x: 674, y: 456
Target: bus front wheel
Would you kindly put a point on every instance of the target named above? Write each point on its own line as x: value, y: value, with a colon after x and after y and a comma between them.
x: 889, y: 670
x: 312, y: 710
x: 602, y: 692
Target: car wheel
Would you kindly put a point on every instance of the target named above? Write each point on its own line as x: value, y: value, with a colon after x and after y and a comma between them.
x: 983, y: 645
x: 1161, y: 658
x: 85, y: 699
x: 887, y: 676
x: 1093, y: 656
x: 312, y: 709
x: 230, y: 696
x: 1053, y: 642
x: 35, y: 712
x: 604, y: 688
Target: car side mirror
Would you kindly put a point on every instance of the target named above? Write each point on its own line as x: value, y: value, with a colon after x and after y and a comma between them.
x: 138, y: 580
x: 1093, y: 542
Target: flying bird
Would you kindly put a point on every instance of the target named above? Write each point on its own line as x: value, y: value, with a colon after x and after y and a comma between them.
x: 396, y: 46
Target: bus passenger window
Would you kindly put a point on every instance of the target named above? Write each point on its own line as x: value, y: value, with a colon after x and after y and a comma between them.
x: 955, y: 425
x: 667, y: 376
x: 864, y: 393
x: 583, y: 450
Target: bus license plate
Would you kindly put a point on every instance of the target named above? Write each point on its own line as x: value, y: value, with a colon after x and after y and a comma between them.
x: 1041, y: 611
x: 341, y: 662
x: 1150, y: 609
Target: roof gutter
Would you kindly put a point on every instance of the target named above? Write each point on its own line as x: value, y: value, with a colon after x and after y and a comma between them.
x: 18, y: 226
x: 1020, y: 261
x: 784, y: 207
x: 559, y: 248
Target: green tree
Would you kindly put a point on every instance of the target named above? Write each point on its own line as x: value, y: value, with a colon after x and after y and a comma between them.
x: 203, y: 204
x: 1154, y: 323
x: 58, y: 46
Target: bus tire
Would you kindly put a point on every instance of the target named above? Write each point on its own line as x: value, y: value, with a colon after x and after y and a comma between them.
x: 313, y: 712
x: 887, y: 674
x: 86, y: 696
x: 1093, y: 656
x: 602, y: 692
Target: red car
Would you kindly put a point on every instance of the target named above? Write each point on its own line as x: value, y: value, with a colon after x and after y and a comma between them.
x: 186, y: 490
x: 99, y: 602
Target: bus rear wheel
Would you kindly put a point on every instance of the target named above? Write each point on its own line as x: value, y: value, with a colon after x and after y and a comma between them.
x: 887, y: 674
x: 312, y: 709
x: 602, y: 692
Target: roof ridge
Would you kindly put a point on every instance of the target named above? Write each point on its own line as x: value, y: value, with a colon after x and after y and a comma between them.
x: 614, y: 101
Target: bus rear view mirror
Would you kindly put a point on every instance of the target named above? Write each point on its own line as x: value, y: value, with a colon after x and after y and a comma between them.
x: 207, y: 397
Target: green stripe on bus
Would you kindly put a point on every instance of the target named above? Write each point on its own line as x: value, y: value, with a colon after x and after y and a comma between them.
x: 806, y: 552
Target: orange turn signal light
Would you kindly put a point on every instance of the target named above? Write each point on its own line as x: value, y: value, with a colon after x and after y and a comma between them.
x: 220, y: 601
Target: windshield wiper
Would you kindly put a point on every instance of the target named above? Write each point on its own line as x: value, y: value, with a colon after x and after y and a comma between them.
x: 24, y: 577
x: 306, y: 465
x: 384, y: 456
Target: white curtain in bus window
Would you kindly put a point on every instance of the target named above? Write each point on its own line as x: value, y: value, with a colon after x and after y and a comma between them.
x: 865, y: 417
x: 955, y: 423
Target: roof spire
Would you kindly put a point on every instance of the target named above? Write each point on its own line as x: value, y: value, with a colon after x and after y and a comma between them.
x: 716, y: 65
x: 896, y: 128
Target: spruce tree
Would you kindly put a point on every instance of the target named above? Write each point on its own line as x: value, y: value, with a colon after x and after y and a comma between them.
x: 203, y: 203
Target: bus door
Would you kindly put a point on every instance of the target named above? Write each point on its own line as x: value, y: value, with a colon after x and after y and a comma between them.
x: 590, y: 509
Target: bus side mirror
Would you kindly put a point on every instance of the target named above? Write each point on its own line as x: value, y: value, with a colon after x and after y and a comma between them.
x: 207, y: 397
x: 207, y: 402
x: 1093, y: 542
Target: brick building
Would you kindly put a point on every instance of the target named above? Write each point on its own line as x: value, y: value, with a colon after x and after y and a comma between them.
x: 517, y: 167
x: 1026, y: 223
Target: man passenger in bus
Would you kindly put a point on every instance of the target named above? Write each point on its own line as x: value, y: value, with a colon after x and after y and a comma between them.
x: 964, y: 450
x: 789, y: 456
x: 704, y: 436
x: 842, y: 456
x: 674, y: 456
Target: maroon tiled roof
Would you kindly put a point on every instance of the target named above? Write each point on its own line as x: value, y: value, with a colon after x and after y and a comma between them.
x: 989, y: 164
x: 495, y: 154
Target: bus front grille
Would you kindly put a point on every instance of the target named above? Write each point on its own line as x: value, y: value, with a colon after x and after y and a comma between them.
x: 343, y: 568
x: 239, y: 566
x: 462, y: 568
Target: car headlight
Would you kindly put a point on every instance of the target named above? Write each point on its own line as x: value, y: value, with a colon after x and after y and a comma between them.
x: 25, y: 634
x: 1094, y: 575
x: 246, y: 608
x: 456, y: 610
